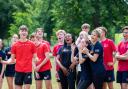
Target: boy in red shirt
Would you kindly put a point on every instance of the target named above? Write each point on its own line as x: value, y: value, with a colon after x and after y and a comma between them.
x: 60, y: 35
x: 24, y: 51
x: 43, y: 66
x: 122, y: 57
x: 109, y: 49
x: 40, y: 33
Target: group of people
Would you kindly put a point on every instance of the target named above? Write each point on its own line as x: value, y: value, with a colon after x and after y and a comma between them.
x: 84, y: 63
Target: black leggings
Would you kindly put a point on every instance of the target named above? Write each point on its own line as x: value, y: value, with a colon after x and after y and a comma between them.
x: 67, y: 82
x: 84, y: 84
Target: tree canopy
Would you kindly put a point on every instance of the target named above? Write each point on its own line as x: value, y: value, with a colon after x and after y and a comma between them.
x: 62, y: 14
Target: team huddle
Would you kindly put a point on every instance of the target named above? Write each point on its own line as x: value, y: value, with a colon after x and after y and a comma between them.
x: 84, y: 63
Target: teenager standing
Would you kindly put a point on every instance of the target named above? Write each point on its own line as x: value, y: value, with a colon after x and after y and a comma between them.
x: 10, y: 68
x: 23, y: 52
x: 122, y: 57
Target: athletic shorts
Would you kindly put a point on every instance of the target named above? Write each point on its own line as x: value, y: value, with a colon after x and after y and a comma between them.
x: 23, y: 78
x: 45, y: 75
x: 122, y: 76
x: 109, y: 76
x: 10, y: 70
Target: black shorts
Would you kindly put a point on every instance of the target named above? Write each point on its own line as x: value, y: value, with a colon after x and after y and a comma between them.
x: 122, y: 76
x: 23, y: 78
x: 45, y: 75
x: 109, y: 76
x: 10, y: 70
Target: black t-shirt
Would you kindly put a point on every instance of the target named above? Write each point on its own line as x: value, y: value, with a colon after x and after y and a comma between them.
x: 65, y: 55
x: 85, y: 66
x: 98, y: 66
x: 9, y: 67
x: 3, y: 56
x: 7, y: 50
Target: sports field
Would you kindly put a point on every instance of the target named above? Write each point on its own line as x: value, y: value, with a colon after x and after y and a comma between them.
x: 54, y: 83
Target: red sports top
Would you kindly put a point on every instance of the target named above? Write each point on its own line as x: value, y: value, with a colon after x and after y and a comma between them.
x: 108, y: 48
x: 24, y: 53
x: 41, y: 50
x: 123, y: 64
x: 54, y: 53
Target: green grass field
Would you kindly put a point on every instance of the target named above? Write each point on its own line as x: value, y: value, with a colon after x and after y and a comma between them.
x: 54, y: 83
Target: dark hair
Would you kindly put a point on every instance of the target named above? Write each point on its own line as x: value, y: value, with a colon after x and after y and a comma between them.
x: 2, y: 44
x: 73, y: 39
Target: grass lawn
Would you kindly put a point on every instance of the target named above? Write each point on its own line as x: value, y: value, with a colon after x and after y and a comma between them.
x: 54, y: 83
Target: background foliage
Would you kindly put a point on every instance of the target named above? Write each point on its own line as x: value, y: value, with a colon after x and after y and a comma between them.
x: 62, y: 14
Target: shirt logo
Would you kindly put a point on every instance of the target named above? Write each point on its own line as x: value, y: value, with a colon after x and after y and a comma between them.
x: 109, y: 78
x: 97, y: 50
x: 105, y: 45
x: 46, y: 77
x: 29, y: 77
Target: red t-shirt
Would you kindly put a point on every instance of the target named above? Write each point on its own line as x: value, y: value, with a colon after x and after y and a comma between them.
x: 108, y: 48
x: 46, y: 42
x: 24, y: 53
x: 41, y: 50
x: 123, y: 64
x: 54, y: 53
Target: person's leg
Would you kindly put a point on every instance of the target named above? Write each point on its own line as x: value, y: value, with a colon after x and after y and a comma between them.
x: 19, y: 77
x: 27, y: 80
x: 91, y: 86
x: 84, y: 84
x: 1, y: 82
x: 63, y: 80
x: 39, y: 84
x: 119, y: 78
x: 110, y: 78
x: 18, y: 86
x: 10, y: 81
x: 48, y: 84
x: 77, y: 77
x: 98, y: 81
x: 105, y: 85
x: 47, y: 78
x: 59, y: 85
x: 38, y: 80
x: 110, y: 85
x: 58, y: 81
x: 27, y: 86
x: 71, y: 78
x: 124, y: 85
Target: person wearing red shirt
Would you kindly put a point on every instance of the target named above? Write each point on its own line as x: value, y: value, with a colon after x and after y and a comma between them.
x: 109, y: 49
x: 122, y: 57
x: 43, y: 66
x: 24, y: 51
x: 60, y: 35
x: 40, y: 33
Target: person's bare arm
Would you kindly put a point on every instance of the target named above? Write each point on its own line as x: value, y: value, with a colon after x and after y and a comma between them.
x: 92, y: 57
x: 10, y: 61
x: 122, y: 57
